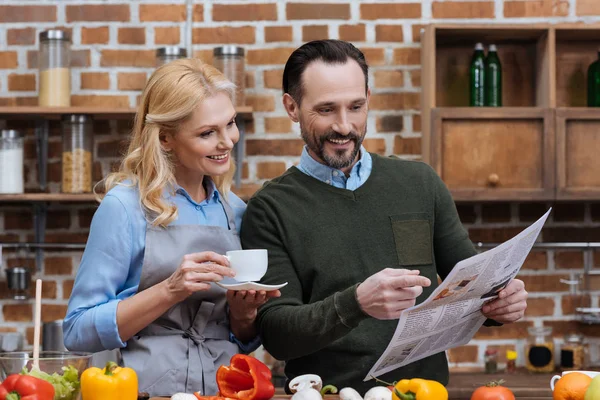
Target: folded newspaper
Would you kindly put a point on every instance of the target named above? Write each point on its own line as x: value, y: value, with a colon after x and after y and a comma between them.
x: 452, y: 313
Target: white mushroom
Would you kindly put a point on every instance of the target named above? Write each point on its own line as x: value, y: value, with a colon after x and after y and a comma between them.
x: 348, y: 393
x: 306, y: 381
x: 378, y: 393
x: 307, y: 394
x: 183, y: 396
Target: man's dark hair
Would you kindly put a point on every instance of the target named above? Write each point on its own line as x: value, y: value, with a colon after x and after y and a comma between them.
x: 328, y: 51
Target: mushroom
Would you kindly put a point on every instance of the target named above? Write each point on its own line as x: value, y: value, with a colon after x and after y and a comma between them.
x: 307, y: 393
x: 348, y: 393
x: 378, y: 393
x: 183, y: 396
x: 306, y: 381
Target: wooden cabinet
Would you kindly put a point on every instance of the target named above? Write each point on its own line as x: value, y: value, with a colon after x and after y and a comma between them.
x: 529, y: 149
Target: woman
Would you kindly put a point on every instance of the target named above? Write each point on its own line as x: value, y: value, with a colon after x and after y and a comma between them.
x: 156, y: 242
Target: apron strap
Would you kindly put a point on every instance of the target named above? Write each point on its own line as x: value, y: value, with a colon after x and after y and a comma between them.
x: 229, y: 213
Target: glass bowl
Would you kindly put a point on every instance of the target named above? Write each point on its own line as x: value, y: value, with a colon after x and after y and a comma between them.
x: 50, y: 362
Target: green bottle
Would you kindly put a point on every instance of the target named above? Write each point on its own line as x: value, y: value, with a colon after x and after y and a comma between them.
x: 593, y: 96
x: 493, y: 78
x: 476, y: 81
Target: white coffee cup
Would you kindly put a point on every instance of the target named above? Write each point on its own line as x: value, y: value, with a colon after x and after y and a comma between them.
x: 555, y: 378
x: 249, y: 265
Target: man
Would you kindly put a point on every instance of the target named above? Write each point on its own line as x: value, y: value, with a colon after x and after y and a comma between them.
x: 358, y: 237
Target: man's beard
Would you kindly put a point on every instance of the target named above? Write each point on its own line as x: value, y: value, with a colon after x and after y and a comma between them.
x: 341, y: 158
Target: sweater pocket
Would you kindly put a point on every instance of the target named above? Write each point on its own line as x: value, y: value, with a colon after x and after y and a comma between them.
x: 412, y: 236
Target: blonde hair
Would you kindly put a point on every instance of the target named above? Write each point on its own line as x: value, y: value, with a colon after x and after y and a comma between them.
x: 171, y: 95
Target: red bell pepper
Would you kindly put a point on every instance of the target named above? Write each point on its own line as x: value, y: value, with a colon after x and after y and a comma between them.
x: 25, y: 387
x: 246, y: 378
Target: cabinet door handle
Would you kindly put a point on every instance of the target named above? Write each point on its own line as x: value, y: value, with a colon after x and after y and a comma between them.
x: 493, y: 180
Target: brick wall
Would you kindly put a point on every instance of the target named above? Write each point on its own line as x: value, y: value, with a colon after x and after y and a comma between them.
x: 113, y: 54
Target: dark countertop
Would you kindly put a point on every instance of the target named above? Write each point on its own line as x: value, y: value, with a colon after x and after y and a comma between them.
x: 523, y: 384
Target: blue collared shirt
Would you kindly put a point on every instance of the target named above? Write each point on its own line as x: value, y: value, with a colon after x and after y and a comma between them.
x: 112, y: 261
x: 358, y: 175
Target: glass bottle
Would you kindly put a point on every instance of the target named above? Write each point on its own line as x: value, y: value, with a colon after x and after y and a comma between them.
x: 511, y: 361
x: 231, y: 62
x: 491, y: 361
x: 78, y: 142
x: 11, y: 161
x: 493, y: 78
x: 54, y: 61
x: 572, y: 352
x: 476, y: 79
x: 539, y: 349
x: 593, y: 95
x: 165, y: 55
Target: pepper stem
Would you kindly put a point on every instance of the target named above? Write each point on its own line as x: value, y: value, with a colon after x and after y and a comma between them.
x: 495, y: 383
x: 384, y: 382
x: 329, y: 389
x: 13, y: 396
x: 405, y: 396
x: 110, y: 367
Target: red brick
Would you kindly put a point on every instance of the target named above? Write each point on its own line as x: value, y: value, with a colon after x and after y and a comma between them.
x: 390, y: 11
x: 22, y: 262
x: 544, y: 283
x: 32, y: 13
x: 128, y: 58
x: 389, y: 33
x: 407, y: 56
x: 587, y: 7
x: 17, y: 312
x: 18, y: 220
x: 463, y: 354
x: 394, y: 101
x: 95, y: 80
x: 571, y: 234
x: 314, y: 32
x: 407, y: 145
x: 536, y: 8
x: 198, y: 14
x: 467, y: 9
x: 225, y: 35
x: 8, y: 59
x: 389, y: 123
x: 536, y: 260
x: 416, y: 33
x: 48, y: 289
x: 132, y: 35
x: 352, y: 33
x: 561, y: 328
x: 273, y: 78
x: 269, y: 170
x: 317, y: 11
x: 278, y: 55
x: 388, y: 78
x: 274, y: 147
x: 58, y: 219
x: 244, y: 12
x: 58, y: 266
x: 569, y: 303
x: 18, y: 101
x: 261, y: 102
x: 416, y: 123
x: 24, y: 82
x: 131, y: 80
x: 98, y: 12
x: 113, y: 148
x: 204, y: 55
x: 495, y: 212
x: 68, y: 288
x: 100, y: 101
x: 278, y: 34
x: 167, y: 35
x: 375, y: 146
x: 278, y: 125
x: 20, y: 37
x: 163, y: 12
x: 539, y: 307
x: 492, y: 235
x: 517, y: 330
x: 66, y: 237
x: 53, y: 312
x: 98, y: 35
x: 250, y: 80
x: 568, y: 259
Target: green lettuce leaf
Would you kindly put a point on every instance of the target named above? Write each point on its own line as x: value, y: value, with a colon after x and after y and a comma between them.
x: 66, y: 386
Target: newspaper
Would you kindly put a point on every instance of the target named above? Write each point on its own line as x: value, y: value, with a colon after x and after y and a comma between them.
x: 452, y: 313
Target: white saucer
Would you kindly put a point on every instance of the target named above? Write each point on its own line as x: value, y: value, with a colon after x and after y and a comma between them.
x: 250, y: 286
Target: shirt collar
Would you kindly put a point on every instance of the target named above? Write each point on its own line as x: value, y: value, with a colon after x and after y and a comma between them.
x: 212, y: 193
x: 323, y: 172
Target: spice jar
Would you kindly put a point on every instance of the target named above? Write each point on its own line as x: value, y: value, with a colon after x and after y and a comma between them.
x: 231, y: 62
x: 54, y: 61
x: 491, y: 361
x: 539, y: 349
x: 572, y: 352
x: 78, y: 142
x: 11, y: 161
x: 511, y: 361
x: 165, y: 55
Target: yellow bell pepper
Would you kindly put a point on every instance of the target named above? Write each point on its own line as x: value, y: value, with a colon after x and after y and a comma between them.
x: 419, y: 389
x: 112, y: 382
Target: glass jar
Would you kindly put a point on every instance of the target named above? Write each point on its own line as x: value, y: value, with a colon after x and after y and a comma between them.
x: 11, y: 161
x: 231, y: 62
x: 54, y: 61
x: 539, y: 349
x: 491, y: 361
x: 78, y: 145
x: 572, y: 352
x: 511, y: 361
x: 165, y: 55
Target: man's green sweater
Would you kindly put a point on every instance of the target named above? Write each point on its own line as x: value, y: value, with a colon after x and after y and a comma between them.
x: 324, y: 241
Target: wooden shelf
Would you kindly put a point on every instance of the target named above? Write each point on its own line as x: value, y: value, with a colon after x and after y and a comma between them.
x: 18, y: 112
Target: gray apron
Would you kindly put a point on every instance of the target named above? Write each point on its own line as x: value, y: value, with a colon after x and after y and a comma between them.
x: 182, y: 350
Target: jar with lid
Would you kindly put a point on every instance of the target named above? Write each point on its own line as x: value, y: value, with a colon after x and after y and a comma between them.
x: 11, y: 161
x: 230, y: 60
x: 491, y: 361
x: 539, y: 349
x: 78, y: 146
x: 572, y: 352
x: 54, y: 61
x: 165, y: 55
